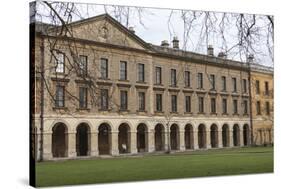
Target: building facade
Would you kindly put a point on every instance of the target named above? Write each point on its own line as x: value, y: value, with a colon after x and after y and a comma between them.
x: 262, y: 105
x: 101, y: 90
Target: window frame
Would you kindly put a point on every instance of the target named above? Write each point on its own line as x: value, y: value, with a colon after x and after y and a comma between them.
x: 125, y: 71
x: 102, y: 69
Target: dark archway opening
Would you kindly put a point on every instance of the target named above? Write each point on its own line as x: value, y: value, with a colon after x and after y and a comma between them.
x: 174, y: 137
x: 214, y: 136
x: 246, y: 135
x: 142, y: 138
x: 124, y: 138
x: 225, y: 135
x: 188, y: 135
x: 236, y: 135
x: 159, y: 137
x: 104, y: 141
x: 202, y: 136
x: 59, y: 140
x: 82, y: 139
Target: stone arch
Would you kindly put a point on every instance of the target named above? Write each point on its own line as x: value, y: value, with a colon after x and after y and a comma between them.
x: 59, y: 140
x: 104, y: 138
x: 159, y: 137
x: 174, y: 137
x: 142, y: 137
x: 202, y: 136
x: 83, y: 139
x: 188, y: 136
x: 124, y: 138
x: 214, y: 136
x: 246, y: 135
x: 236, y: 135
x: 225, y: 135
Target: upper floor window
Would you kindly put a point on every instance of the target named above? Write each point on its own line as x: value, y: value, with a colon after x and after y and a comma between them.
x: 213, y: 81
x: 59, y: 61
x: 141, y: 72
x: 234, y: 84
x: 141, y: 101
x: 83, y: 97
x: 123, y: 70
x: 187, y: 103
x: 223, y: 80
x: 123, y: 100
x: 83, y: 65
x: 104, y: 99
x: 244, y: 85
x: 200, y: 80
x: 224, y: 106
x: 59, y: 100
x: 158, y: 74
x: 187, y: 78
x: 159, y: 102
x: 173, y: 77
x: 245, y: 105
x: 174, y: 103
x: 213, y: 105
x: 201, y: 104
x: 104, y: 68
x: 235, y: 106
x: 257, y: 87
x: 266, y: 88
x: 267, y: 106
x: 258, y: 106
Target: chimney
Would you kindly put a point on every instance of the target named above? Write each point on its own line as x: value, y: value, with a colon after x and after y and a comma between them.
x: 175, y: 42
x: 165, y: 43
x: 131, y: 29
x: 250, y: 58
x: 210, y: 50
x: 222, y: 55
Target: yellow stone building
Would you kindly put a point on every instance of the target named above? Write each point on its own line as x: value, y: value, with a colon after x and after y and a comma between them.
x: 262, y: 104
x: 102, y: 90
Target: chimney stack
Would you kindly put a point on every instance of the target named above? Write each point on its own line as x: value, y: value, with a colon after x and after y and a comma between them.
x: 250, y: 58
x: 175, y: 42
x: 165, y: 43
x: 210, y: 50
x: 131, y: 29
x: 222, y: 55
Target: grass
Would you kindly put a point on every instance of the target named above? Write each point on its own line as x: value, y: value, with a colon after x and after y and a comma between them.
x: 152, y: 167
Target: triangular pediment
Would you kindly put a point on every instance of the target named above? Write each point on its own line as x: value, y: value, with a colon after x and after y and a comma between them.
x: 105, y: 29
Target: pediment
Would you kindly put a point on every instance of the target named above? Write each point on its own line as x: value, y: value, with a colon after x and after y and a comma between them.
x: 106, y: 29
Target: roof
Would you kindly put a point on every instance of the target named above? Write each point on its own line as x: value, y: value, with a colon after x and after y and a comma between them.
x: 166, y: 51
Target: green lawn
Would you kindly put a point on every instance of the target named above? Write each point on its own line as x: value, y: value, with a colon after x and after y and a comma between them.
x: 152, y: 167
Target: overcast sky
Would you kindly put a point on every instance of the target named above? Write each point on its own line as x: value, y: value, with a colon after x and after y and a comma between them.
x: 154, y: 26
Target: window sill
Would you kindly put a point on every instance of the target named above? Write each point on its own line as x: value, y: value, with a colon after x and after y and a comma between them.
x: 141, y: 82
x: 224, y: 114
x: 213, y: 113
x: 123, y: 80
x: 141, y: 111
x: 83, y: 109
x: 124, y: 110
x: 235, y: 114
x: 60, y: 108
x: 201, y: 113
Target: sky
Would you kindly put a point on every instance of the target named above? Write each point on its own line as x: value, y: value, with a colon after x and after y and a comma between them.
x: 154, y: 25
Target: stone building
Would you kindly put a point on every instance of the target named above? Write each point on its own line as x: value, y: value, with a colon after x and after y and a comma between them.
x: 102, y: 90
x: 262, y: 104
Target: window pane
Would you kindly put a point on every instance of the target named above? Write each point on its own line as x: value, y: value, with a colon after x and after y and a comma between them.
x: 60, y: 96
x: 104, y: 68
x: 141, y: 101
x: 82, y: 65
x: 158, y: 75
x: 187, y: 78
x: 124, y: 100
x: 123, y: 70
x: 141, y: 72
x: 223, y: 83
x: 59, y: 63
x: 173, y: 77
x: 187, y: 104
x: 200, y: 80
x: 213, y: 82
x: 174, y: 103
x: 159, y: 102
x: 104, y: 99
x: 82, y: 97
